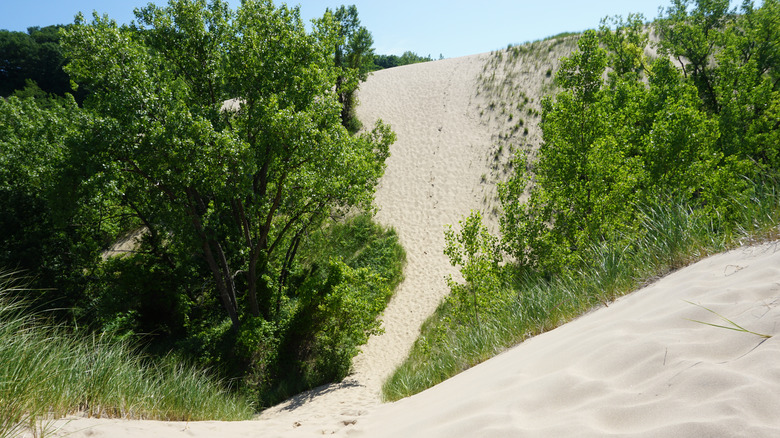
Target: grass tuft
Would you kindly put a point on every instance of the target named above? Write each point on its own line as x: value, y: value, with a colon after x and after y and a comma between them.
x: 731, y: 324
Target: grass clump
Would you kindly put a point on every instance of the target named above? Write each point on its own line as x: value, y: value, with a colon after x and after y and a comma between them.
x: 47, y: 372
x: 731, y: 324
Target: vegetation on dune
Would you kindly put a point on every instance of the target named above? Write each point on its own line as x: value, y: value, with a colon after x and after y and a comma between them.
x: 646, y: 165
x: 48, y: 372
x: 354, y: 59
x: 406, y: 58
x: 505, y: 104
x: 258, y: 259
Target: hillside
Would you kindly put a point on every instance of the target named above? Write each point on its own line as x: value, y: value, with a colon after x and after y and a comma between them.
x: 614, y: 371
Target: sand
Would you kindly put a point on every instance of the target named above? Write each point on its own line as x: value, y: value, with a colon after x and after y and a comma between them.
x: 636, y: 368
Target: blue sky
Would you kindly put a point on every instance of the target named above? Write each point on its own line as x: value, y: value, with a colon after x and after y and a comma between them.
x: 427, y: 27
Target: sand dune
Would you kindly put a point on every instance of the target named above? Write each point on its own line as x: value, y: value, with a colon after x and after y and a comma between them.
x: 637, y: 368
x: 640, y: 367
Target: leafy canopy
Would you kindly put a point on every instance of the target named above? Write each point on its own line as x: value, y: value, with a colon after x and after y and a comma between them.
x: 222, y: 130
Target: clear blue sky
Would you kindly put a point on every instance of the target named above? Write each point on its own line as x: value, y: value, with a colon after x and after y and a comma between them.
x: 427, y: 27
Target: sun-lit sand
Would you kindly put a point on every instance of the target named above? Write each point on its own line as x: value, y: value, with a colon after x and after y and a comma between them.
x: 639, y: 367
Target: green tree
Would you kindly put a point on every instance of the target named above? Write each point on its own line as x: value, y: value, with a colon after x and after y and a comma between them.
x: 34, y: 56
x: 354, y: 58
x: 609, y: 147
x: 479, y: 254
x: 44, y: 231
x: 565, y: 188
x: 408, y: 57
x: 238, y: 182
x: 732, y: 59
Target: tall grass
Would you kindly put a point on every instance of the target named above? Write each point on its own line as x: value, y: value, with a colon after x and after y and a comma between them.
x: 47, y: 372
x: 672, y: 235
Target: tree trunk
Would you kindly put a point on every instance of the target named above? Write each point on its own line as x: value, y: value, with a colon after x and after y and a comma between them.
x: 251, y: 280
x: 222, y: 287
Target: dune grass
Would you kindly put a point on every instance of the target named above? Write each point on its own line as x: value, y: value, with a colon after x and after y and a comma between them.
x: 47, y: 372
x: 674, y: 235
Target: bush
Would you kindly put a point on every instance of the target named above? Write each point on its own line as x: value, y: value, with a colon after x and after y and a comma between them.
x: 347, y: 275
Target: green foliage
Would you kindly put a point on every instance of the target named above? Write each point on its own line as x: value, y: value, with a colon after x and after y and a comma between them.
x: 43, y: 229
x: 237, y: 186
x: 342, y: 280
x: 347, y: 274
x: 479, y: 255
x: 732, y: 59
x: 406, y: 58
x: 625, y: 42
x: 359, y: 242
x: 347, y: 316
x: 631, y: 142
x: 48, y: 372
x: 353, y: 58
x: 645, y: 167
x: 216, y: 135
x: 141, y: 297
x: 34, y: 57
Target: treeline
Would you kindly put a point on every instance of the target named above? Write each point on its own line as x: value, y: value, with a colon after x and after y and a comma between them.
x: 646, y: 164
x: 31, y: 63
x: 217, y: 137
x: 390, y: 61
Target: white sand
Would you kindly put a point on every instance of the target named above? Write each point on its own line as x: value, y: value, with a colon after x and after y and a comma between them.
x: 637, y: 368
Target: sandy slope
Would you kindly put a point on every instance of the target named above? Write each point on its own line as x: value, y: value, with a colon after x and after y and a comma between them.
x: 640, y: 367
x: 637, y: 368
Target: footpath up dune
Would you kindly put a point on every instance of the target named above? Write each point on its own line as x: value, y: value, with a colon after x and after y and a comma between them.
x: 639, y: 367
x: 431, y: 180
